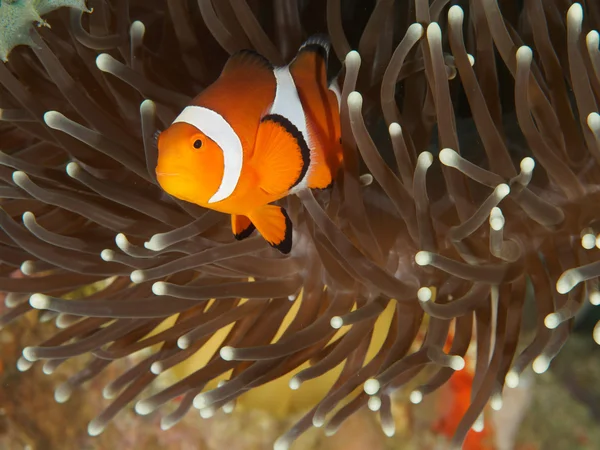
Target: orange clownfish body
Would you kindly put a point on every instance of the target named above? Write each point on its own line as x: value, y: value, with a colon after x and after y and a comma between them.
x: 256, y: 135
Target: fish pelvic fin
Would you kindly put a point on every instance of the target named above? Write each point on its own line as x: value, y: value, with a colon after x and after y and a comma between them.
x: 241, y: 226
x: 274, y: 225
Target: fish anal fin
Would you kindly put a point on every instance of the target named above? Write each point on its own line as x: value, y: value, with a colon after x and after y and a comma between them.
x: 281, y: 156
x: 274, y: 225
x: 241, y: 226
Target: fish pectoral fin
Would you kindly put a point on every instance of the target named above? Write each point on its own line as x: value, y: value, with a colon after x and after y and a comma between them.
x: 241, y: 226
x: 281, y: 156
x: 274, y: 225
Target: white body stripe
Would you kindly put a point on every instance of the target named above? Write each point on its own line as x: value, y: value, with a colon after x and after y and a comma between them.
x: 287, y: 104
x: 215, y: 127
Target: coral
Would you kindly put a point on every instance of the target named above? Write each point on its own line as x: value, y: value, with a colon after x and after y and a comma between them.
x: 17, y: 17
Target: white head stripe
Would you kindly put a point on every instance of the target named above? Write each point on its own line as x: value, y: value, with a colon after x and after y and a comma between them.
x: 287, y: 102
x: 215, y: 127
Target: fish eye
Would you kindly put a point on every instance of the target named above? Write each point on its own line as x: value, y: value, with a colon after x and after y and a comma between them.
x: 197, y: 143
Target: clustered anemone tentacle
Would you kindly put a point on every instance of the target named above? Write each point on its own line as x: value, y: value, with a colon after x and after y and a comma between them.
x: 429, y: 231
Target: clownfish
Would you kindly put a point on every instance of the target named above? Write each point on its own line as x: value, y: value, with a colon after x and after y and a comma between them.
x: 254, y: 136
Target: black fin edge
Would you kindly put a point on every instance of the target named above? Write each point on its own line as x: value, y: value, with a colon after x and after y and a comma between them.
x: 285, y: 246
x: 251, y: 54
x: 246, y: 232
x: 320, y: 40
x: 297, y: 135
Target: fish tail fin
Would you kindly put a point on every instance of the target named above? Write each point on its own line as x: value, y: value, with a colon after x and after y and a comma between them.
x: 274, y: 225
x: 241, y: 226
x: 317, y: 42
x: 312, y: 58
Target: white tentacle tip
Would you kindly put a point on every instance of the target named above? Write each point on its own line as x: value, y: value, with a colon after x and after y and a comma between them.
x: 28, y: 218
x: 352, y: 58
x: 29, y: 354
x: 39, y: 301
x: 389, y: 429
x: 524, y: 54
x: 336, y: 322
x: 318, y: 421
x: 28, y: 268
x: 596, y: 333
x: 138, y: 28
x: 51, y: 118
x: 425, y: 160
x: 502, y: 190
x: 541, y: 364
x: 457, y: 363
x: 496, y: 219
x: 147, y: 106
x: 434, y: 32
x: 283, y: 443
x: 122, y: 241
x: 374, y: 403
x: 73, y: 169
x: 424, y: 294
x: 155, y: 243
x: 496, y: 402
x: 449, y: 157
x: 415, y: 30
x: 166, y: 423
x: 63, y: 393
x: 416, y: 397
x: 137, y: 276
x: 95, y: 428
x: 575, y: 14
x: 527, y: 164
x: 371, y: 386
x: 395, y: 129
x: 143, y: 408
x: 23, y: 365
x: 183, y: 342
x: 551, y: 321
x: 107, y: 254
x: 20, y: 178
x: 103, y: 62
x: 355, y: 100
x: 512, y: 379
x: 295, y: 383
x: 227, y: 353
x: 456, y: 14
x: 423, y: 258
x: 200, y: 401
x: 567, y: 281
x: 159, y: 288
x: 593, y: 121
x: 592, y: 40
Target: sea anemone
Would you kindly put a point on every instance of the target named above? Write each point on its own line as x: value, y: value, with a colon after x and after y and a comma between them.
x: 472, y: 152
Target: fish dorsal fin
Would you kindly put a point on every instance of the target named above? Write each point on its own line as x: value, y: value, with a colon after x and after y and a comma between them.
x: 311, y: 60
x: 246, y: 63
x: 281, y: 155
